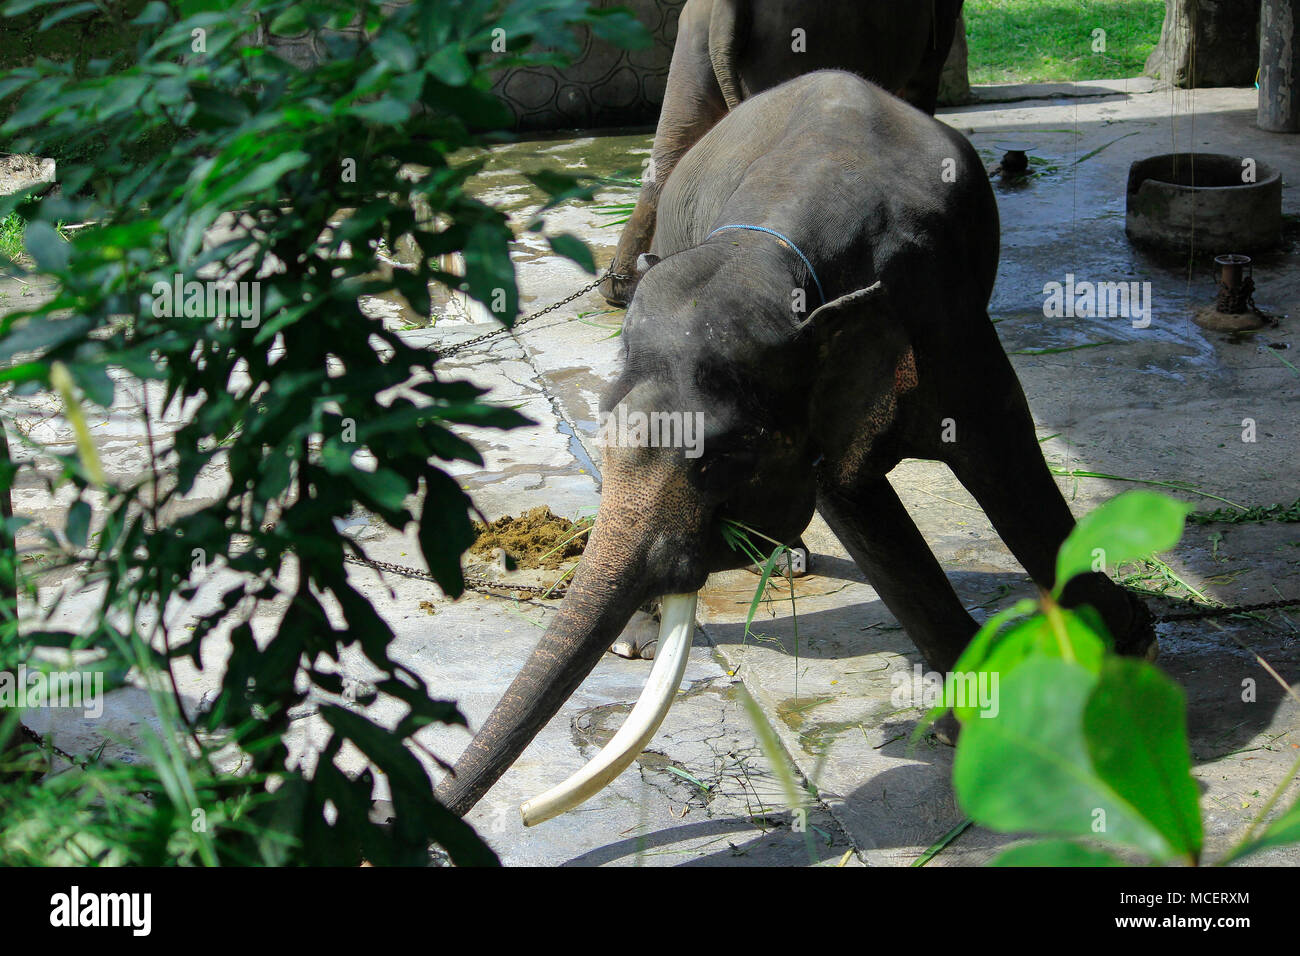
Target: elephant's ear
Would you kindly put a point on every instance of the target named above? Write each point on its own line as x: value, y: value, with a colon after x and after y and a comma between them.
x: 827, y: 319
x: 865, y: 362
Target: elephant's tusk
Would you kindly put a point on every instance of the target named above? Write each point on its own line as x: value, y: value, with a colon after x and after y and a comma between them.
x: 676, y: 628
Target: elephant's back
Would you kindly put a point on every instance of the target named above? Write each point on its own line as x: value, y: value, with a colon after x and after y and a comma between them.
x: 848, y: 171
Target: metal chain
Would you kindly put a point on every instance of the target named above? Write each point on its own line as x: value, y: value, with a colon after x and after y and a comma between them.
x: 1206, y: 612
x: 469, y: 343
x: 473, y: 582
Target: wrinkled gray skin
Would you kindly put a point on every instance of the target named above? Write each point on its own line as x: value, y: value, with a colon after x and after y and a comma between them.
x: 730, y: 50
x: 803, y: 409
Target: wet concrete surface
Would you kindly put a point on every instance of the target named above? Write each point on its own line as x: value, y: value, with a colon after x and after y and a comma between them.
x: 1160, y: 403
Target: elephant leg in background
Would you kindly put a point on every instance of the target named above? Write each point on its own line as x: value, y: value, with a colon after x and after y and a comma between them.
x: 877, y: 531
x: 998, y: 458
x: 693, y: 105
x: 922, y: 89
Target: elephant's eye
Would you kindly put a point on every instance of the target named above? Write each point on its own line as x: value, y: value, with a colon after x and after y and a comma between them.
x: 722, y: 470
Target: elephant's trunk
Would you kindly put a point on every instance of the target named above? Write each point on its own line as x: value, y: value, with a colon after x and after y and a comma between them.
x: 607, y: 588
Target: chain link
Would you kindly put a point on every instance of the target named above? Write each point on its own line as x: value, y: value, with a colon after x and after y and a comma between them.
x: 473, y: 582
x: 469, y: 343
x: 1226, y: 610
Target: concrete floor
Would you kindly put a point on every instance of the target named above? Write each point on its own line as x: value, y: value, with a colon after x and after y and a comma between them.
x: 1158, y: 404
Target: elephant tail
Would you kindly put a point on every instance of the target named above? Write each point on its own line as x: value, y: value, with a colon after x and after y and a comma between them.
x: 728, y: 25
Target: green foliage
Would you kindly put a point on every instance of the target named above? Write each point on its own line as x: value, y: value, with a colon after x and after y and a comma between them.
x: 288, y: 179
x: 1287, y: 514
x: 1036, y: 41
x: 1079, y: 743
x: 1134, y: 525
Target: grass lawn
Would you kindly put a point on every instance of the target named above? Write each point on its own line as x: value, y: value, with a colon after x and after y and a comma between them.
x: 1035, y: 41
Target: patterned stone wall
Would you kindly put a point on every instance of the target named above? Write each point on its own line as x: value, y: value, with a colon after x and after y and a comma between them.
x: 605, y: 86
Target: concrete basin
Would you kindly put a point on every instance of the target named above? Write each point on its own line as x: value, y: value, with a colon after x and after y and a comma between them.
x: 1212, y: 201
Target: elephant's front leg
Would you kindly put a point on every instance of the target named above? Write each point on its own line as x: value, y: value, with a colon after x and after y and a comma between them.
x: 877, y: 531
x: 635, y: 240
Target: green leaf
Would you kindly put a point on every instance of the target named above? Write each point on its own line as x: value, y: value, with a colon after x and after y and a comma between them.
x: 386, y: 112
x: 411, y: 788
x: 77, y: 526
x: 1136, y: 727
x: 1054, y: 853
x: 1026, y: 769
x: 94, y: 381
x: 489, y: 273
x: 46, y: 246
x: 384, y: 486
x: 290, y: 22
x: 450, y: 66
x: 445, y: 532
x: 395, y: 50
x: 40, y: 334
x: 571, y: 247
x: 67, y: 13
x: 1135, y: 525
x: 155, y: 11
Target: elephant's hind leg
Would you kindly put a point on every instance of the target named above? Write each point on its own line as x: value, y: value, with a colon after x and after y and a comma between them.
x: 877, y: 531
x: 998, y: 458
x: 693, y: 105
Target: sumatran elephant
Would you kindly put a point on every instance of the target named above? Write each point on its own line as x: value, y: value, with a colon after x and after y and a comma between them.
x: 730, y: 50
x: 817, y: 288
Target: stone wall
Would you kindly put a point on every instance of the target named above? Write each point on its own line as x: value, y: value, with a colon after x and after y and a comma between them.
x: 604, y: 86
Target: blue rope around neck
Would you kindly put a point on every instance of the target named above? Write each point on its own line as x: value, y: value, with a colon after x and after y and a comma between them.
x: 786, y: 239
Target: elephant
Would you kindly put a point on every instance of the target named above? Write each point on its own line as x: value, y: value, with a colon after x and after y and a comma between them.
x: 729, y: 50
x: 817, y: 289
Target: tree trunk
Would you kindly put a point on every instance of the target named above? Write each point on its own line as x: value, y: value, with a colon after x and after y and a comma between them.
x: 1279, y: 67
x: 1207, y: 43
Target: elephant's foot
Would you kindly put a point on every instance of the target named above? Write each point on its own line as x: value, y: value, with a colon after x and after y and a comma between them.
x: 1125, y: 614
x: 946, y: 729
x: 618, y: 288
x: 640, y: 648
x: 800, y: 562
x: 1139, y: 638
x: 640, y: 638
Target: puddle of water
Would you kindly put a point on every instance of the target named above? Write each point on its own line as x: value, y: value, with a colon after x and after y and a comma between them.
x: 579, y: 452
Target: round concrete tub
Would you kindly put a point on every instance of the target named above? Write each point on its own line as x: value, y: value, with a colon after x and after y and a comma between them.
x: 1177, y: 199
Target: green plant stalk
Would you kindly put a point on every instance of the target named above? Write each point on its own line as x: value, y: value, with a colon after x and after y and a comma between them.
x: 771, y: 747
x: 1177, y: 486
x: 1274, y: 797
x: 943, y: 842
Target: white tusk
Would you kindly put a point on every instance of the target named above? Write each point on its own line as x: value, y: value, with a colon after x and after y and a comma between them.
x: 676, y: 629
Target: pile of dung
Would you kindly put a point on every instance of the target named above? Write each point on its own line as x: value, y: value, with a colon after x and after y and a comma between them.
x: 536, y: 539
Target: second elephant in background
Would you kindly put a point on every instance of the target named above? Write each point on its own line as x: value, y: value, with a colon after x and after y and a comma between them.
x: 730, y: 50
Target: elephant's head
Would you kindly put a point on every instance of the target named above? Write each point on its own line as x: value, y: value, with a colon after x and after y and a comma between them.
x: 698, y: 353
